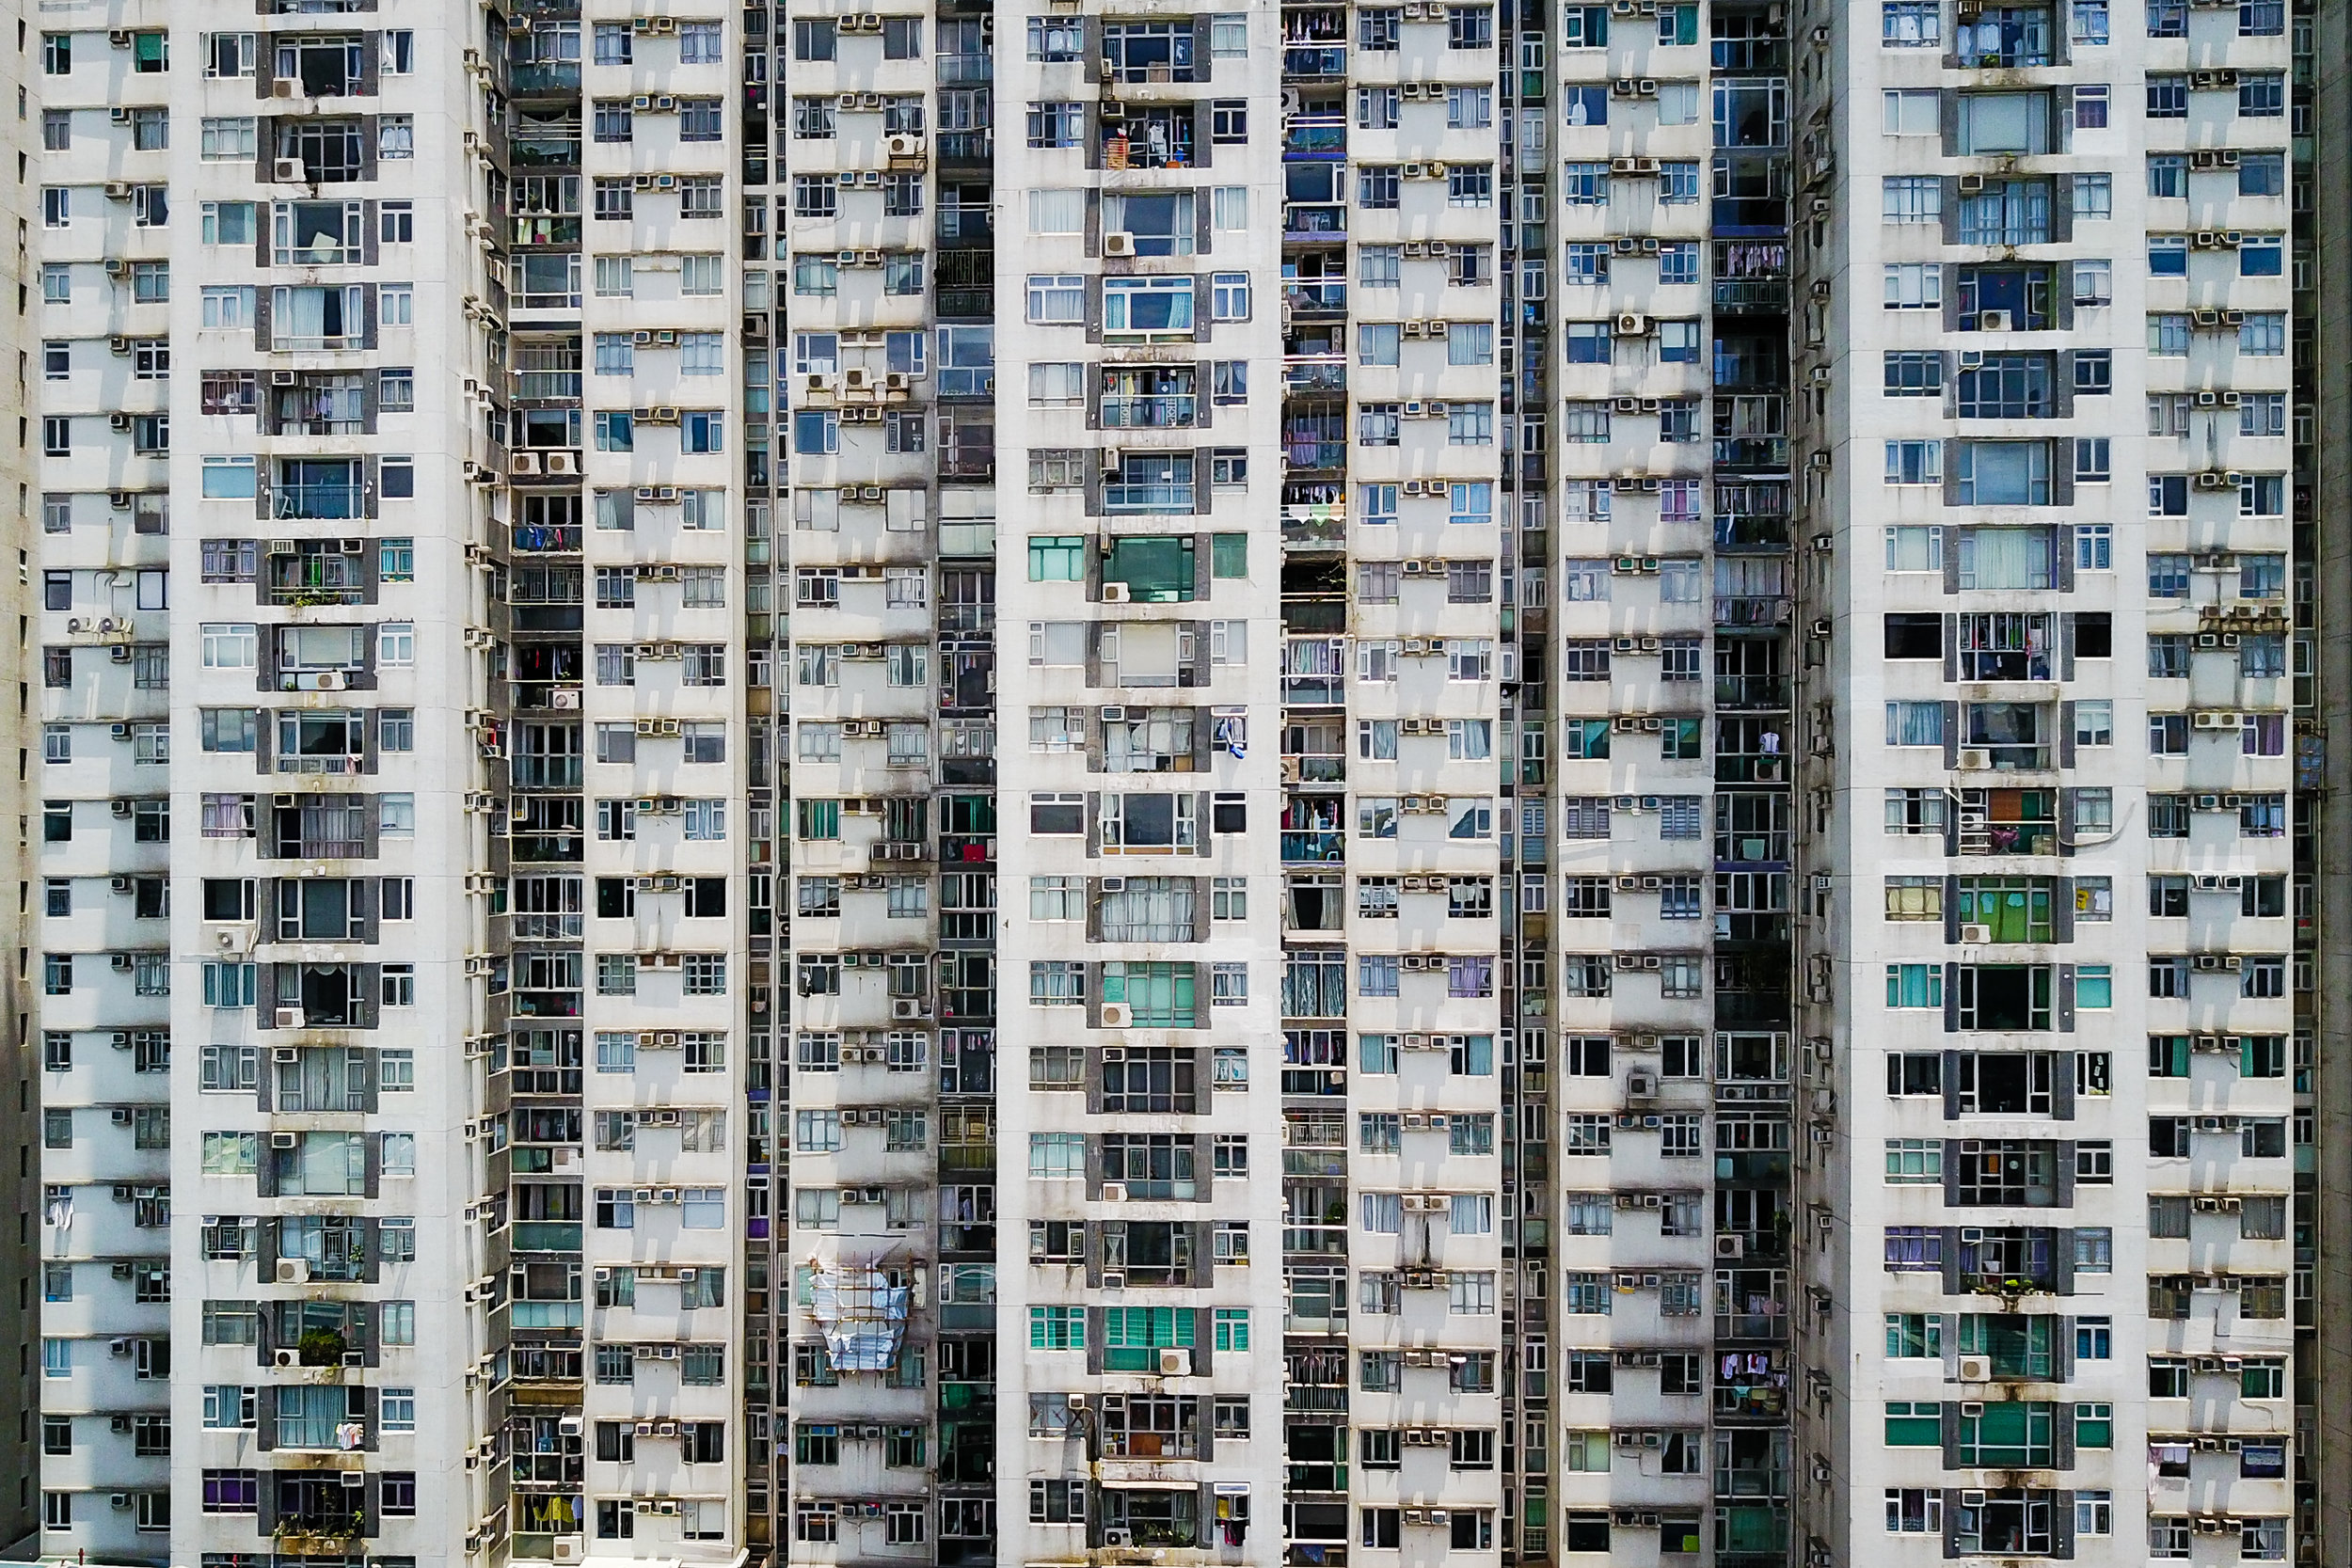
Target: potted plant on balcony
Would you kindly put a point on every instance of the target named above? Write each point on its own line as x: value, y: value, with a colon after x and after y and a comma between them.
x: 318, y: 1532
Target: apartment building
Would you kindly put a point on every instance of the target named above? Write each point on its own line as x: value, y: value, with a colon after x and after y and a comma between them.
x: 1322, y: 783
x: 2061, y: 956
x: 19, y: 1105
x: 421, y: 1244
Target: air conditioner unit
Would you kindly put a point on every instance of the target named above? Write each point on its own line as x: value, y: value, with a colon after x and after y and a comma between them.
x: 1731, y: 1246
x: 288, y: 172
x: 1976, y: 933
x: 1176, y: 1362
x: 1976, y: 1369
x: 292, y: 1270
x: 1993, y: 321
x: 1974, y: 759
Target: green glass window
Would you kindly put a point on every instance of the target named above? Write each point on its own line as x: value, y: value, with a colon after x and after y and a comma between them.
x: 2013, y: 1434
x: 2019, y: 1346
x: 1915, y: 1424
x: 2094, y: 1426
x: 1057, y: 1328
x: 1156, y: 571
x: 1132, y: 1337
x: 1158, y: 995
x: 1058, y: 557
x: 1229, y: 555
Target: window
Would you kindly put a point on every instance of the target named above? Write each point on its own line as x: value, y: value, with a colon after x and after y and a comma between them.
x: 1057, y: 299
x: 1911, y: 24
x: 1911, y: 198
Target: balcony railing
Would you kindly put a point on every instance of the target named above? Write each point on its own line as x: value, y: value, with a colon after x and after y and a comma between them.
x: 1154, y: 498
x: 1326, y: 531
x: 544, y: 78
x: 1751, y: 610
x: 547, y: 231
x: 1308, y: 296
x: 321, y: 502
x: 1314, y: 847
x: 1317, y: 374
x: 1752, y: 451
x: 1314, y: 221
x: 974, y: 148
x: 545, y: 696
x: 546, y: 538
x: 548, y: 772
x: 1769, y: 692
x: 1313, y: 134
x: 1757, y: 530
x: 1144, y: 150
x: 1313, y: 61
x: 545, y: 152
x: 1753, y: 297
x: 1162, y: 411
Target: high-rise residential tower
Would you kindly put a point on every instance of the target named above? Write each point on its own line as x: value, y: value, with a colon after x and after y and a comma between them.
x: 396, y: 991
x: 2057, y: 710
x: 19, y: 1083
x: 1119, y: 785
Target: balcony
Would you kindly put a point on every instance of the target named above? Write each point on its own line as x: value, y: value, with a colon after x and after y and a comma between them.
x: 1749, y: 215
x: 1321, y: 526
x: 1156, y: 138
x: 547, y: 696
x: 967, y: 452
x: 960, y: 225
x: 546, y: 229
x: 1315, y: 296
x: 1751, y: 296
x: 1767, y: 694
x: 2005, y: 38
x: 1314, y: 847
x: 319, y: 503
x: 1315, y: 673
x: 1305, y: 453
x: 543, y: 78
x: 1751, y: 610
x: 1768, y: 1326
x: 1311, y: 62
x: 1315, y: 440
x: 966, y: 71
x: 1752, y: 530
x: 1752, y: 451
x: 1315, y: 372
x: 967, y: 848
x: 1314, y: 135
x: 546, y: 538
x: 1314, y: 220
x: 966, y: 148
x: 2007, y: 822
x: 554, y: 147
